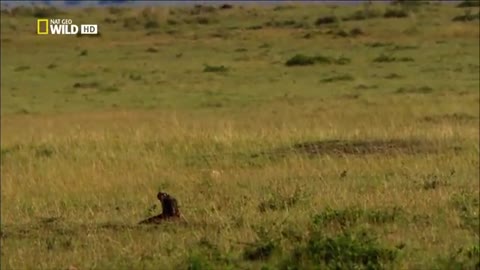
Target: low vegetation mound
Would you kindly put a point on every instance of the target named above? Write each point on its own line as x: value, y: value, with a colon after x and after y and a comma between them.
x: 305, y: 60
x: 348, y: 250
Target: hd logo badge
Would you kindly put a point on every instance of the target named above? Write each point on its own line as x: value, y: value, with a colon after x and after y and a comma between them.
x: 64, y: 27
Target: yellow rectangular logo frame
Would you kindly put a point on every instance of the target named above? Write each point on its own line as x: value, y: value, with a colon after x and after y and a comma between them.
x: 39, y: 32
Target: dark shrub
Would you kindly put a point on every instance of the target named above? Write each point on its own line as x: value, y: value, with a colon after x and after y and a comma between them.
x: 409, y: 4
x: 341, y: 33
x: 395, y: 13
x: 109, y: 20
x: 345, y: 77
x: 86, y: 85
x: 464, y: 258
x: 36, y: 11
x: 386, y: 59
x: 198, y: 262
x: 203, y: 20
x: 226, y: 6
x: 363, y: 15
x: 356, y: 32
x: 286, y: 23
x: 172, y: 22
x: 467, y: 17
x: 326, y: 20
x: 378, y: 44
x: 116, y: 10
x: 469, y: 3
x: 208, y: 68
x: 21, y: 11
x: 152, y: 50
x: 44, y: 151
x: 300, y: 60
x: 324, y: 60
x: 344, y: 251
x: 254, y: 27
x: 406, y: 59
x: 198, y: 9
x: 259, y: 252
x: 467, y: 206
x: 283, y: 7
x: 342, y: 61
x: 21, y: 68
x: 304, y: 60
x: 44, y: 12
x: 109, y: 89
x: 415, y: 90
x: 131, y: 22
x: 149, y: 24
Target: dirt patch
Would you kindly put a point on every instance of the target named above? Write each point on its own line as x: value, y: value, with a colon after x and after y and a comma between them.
x: 86, y: 85
x: 454, y: 117
x: 415, y: 90
x: 343, y: 147
x: 361, y: 147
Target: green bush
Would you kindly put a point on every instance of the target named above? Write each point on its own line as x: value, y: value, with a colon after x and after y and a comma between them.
x: 345, y: 251
x: 468, y: 258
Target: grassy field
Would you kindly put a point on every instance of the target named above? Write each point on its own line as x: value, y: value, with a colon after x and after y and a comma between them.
x: 293, y: 137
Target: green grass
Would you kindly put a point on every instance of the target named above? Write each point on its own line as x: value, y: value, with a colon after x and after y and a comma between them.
x: 362, y: 153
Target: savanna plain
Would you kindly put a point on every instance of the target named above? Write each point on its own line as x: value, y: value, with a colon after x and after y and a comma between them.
x: 293, y: 137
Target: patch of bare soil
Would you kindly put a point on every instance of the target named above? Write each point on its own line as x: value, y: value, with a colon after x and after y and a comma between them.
x: 359, y: 147
x: 454, y: 117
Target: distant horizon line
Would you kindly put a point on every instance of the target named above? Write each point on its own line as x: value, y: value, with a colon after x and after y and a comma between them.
x: 126, y: 3
x: 78, y: 3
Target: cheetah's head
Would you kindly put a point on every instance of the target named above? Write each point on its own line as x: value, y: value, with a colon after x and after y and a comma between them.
x: 162, y: 196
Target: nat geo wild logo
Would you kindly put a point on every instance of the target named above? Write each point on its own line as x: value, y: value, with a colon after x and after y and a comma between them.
x: 64, y: 27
